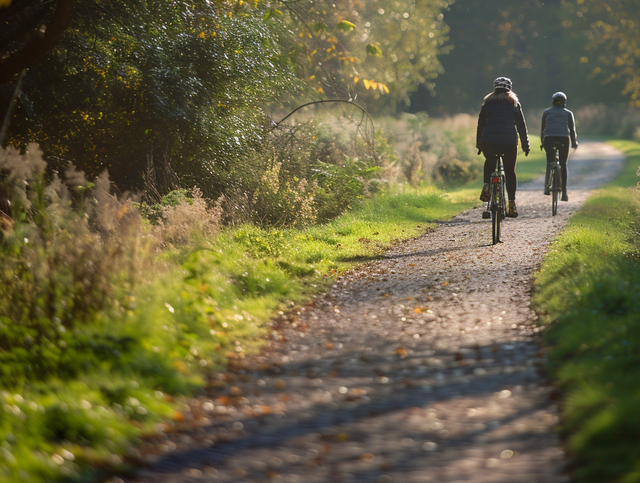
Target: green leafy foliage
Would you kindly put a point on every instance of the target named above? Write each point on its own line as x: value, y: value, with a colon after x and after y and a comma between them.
x: 178, y: 84
x: 377, y: 51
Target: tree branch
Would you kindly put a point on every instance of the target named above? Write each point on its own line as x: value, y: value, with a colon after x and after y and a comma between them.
x: 39, y: 44
x: 364, y: 111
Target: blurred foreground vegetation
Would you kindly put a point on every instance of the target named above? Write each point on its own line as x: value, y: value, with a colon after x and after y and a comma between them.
x: 589, y: 292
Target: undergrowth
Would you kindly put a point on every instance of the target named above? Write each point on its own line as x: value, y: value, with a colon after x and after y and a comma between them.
x: 588, y: 290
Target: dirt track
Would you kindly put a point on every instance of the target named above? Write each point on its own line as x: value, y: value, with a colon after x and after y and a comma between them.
x: 421, y: 367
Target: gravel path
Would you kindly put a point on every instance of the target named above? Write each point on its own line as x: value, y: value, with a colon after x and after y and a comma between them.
x: 421, y: 367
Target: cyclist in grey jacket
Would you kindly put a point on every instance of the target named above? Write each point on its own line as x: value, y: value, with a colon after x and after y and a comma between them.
x: 558, y: 126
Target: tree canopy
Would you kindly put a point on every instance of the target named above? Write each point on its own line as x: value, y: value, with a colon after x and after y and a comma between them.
x: 578, y: 46
x: 170, y: 87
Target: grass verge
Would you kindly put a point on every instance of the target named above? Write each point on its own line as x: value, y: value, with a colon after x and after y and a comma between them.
x: 588, y: 291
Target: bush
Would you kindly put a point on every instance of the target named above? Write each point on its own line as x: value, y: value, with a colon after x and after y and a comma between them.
x: 308, y: 172
x: 620, y: 121
x: 452, y: 170
x: 429, y: 150
x: 95, y: 326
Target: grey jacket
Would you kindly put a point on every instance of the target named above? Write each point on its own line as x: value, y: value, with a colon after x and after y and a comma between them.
x: 559, y: 121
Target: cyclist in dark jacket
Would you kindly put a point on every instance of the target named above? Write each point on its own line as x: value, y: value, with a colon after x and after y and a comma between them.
x: 500, y: 123
x: 558, y: 126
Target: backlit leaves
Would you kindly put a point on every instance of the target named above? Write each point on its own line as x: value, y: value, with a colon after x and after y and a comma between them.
x: 374, y: 50
x: 345, y: 26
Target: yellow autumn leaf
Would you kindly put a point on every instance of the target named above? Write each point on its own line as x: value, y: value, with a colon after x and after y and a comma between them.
x: 202, y: 35
x: 345, y: 25
x: 356, y: 79
x: 320, y: 90
x: 366, y: 83
x: 312, y: 77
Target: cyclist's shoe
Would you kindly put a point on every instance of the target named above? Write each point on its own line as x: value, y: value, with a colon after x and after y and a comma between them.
x: 512, y: 212
x: 485, y: 194
x: 547, y: 191
x: 564, y: 196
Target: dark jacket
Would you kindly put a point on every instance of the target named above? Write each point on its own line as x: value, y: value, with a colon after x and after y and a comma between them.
x: 559, y: 121
x: 501, y: 121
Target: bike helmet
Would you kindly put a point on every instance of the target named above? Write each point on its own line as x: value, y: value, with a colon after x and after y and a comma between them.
x: 559, y: 99
x: 502, y: 83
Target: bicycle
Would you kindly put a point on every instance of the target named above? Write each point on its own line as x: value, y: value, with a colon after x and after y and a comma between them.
x: 555, y: 179
x: 497, y: 205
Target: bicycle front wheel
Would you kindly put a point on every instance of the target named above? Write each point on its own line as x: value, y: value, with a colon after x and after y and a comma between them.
x: 554, y: 182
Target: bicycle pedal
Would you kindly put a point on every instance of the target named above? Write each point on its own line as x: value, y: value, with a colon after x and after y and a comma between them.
x: 486, y: 215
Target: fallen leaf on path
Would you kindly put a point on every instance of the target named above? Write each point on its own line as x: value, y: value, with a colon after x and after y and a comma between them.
x: 177, y: 416
x: 402, y: 352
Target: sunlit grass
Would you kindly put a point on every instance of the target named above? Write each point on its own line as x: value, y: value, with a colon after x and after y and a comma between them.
x: 588, y: 290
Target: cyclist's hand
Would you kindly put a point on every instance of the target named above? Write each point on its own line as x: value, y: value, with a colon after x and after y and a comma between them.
x: 541, y: 146
x: 526, y: 153
x: 479, y: 152
x: 575, y: 146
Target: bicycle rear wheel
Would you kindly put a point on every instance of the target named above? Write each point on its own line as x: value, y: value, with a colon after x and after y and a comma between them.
x: 496, y: 212
x: 554, y: 182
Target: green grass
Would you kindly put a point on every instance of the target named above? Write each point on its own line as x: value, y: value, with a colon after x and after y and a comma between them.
x: 297, y: 263
x: 588, y: 290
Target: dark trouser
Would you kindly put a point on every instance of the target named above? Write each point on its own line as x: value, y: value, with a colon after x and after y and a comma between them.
x: 563, y: 150
x: 509, y: 154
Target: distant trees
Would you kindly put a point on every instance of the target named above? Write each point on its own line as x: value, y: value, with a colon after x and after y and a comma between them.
x: 544, y: 46
x: 613, y: 33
